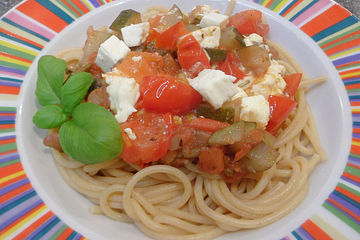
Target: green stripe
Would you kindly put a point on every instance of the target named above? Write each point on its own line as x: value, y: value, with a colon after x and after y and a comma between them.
x: 67, y: 8
x: 337, y: 36
x: 349, y: 189
x: 76, y: 7
x: 6, y: 130
x: 102, y: 2
x: 342, y: 216
x: 9, y: 109
x: 7, y: 147
x: 9, y: 163
x: 349, y: 66
x: 275, y: 4
x: 352, y: 170
x: 354, y: 155
x: 58, y: 232
x: 261, y: 2
x: 353, y: 90
x: 17, y: 53
x: 341, y: 42
x: 13, y: 65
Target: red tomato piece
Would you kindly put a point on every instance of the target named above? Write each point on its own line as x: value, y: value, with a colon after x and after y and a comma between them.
x: 168, y: 39
x: 211, y: 160
x: 249, y: 21
x: 191, y: 56
x: 207, y: 124
x: 153, y: 134
x: 292, y: 83
x: 280, y: 108
x: 163, y: 93
x: 153, y: 34
x: 231, y: 66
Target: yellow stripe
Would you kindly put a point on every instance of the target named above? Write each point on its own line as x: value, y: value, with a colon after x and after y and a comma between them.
x: 8, y: 97
x: 16, y: 47
x: 353, y: 74
x: 88, y: 4
x: 298, y: 8
x: 11, y: 60
x: 355, y: 143
x: 266, y: 2
x: 330, y: 230
x: 12, y: 176
x: 280, y: 6
x: 23, y: 222
x: 345, y: 53
x: 356, y: 25
x: 64, y: 9
x: 22, y: 33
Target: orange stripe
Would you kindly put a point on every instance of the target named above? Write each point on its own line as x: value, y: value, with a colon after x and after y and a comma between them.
x: 348, y: 194
x: 15, y: 57
x: 331, y: 16
x: 10, y: 90
x: 5, y: 141
x: 14, y: 193
x: 315, y: 231
x: 8, y: 114
x: 356, y: 130
x: 291, y: 8
x: 7, y: 183
x: 344, y: 209
x: 352, y: 165
x: 13, y: 168
x: 269, y: 3
x: 340, y: 39
x: 21, y: 218
x: 350, y: 71
x: 352, y: 86
x: 7, y: 126
x: 81, y: 6
x: 41, y: 14
x: 7, y: 152
x: 71, y: 7
x: 341, y: 47
x: 27, y: 231
x: 355, y: 149
x: 352, y: 177
x: 348, y: 64
x: 65, y: 234
x: 21, y: 38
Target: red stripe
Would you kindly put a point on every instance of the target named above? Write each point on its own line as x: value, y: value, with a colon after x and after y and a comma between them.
x: 352, y: 86
x: 315, y: 231
x: 81, y: 6
x: 9, y: 90
x: 352, y: 165
x: 27, y: 231
x: 351, y: 176
x: 10, y: 169
x: 71, y: 7
x: 21, y: 38
x: 348, y: 194
x: 331, y: 16
x: 344, y: 46
x: 344, y: 209
x: 7, y: 126
x: 269, y: 3
x: 348, y: 64
x: 291, y: 8
x: 7, y: 152
x: 41, y: 14
x: 14, y: 193
x: 7, y: 183
x: 8, y: 114
x: 64, y: 235
x: 6, y: 141
x: 340, y: 39
x: 356, y: 130
x: 15, y: 57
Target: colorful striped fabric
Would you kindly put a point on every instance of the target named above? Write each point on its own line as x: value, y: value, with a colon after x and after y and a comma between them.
x: 25, y: 31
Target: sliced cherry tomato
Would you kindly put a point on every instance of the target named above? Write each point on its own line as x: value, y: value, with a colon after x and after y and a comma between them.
x: 292, y: 83
x: 280, y: 108
x: 171, y: 66
x: 207, y: 124
x: 211, y: 160
x: 191, y: 56
x: 249, y: 21
x: 153, y: 34
x: 231, y: 66
x: 163, y: 93
x: 153, y: 134
x: 168, y: 39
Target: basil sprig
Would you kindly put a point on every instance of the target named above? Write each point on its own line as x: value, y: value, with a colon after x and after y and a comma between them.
x: 88, y: 132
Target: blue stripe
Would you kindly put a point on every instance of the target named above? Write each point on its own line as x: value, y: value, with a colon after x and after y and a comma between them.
x: 349, y: 200
x: 296, y: 235
x: 47, y: 228
x: 14, y: 185
x: 335, y: 28
x: 19, y: 41
x: 11, y: 79
x: 25, y: 29
x: 303, y: 10
x: 57, y: 11
x: 17, y: 200
x: 287, y: 8
x: 72, y: 236
x: 95, y: 3
x: 351, y: 83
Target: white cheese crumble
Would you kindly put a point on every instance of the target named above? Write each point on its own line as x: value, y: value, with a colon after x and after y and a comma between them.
x: 130, y: 133
x: 208, y: 37
x: 215, y: 86
x: 135, y: 34
x: 255, y: 109
x: 255, y: 39
x: 123, y: 93
x: 212, y: 19
x: 110, y: 52
x: 136, y: 58
x: 240, y: 94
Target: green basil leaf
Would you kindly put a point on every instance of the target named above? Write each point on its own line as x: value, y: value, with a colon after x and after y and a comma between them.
x: 75, y: 89
x: 50, y: 116
x: 92, y: 136
x: 50, y: 79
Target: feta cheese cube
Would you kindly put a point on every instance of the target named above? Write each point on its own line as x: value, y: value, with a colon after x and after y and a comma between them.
x: 213, y: 19
x: 130, y: 133
x: 135, y: 34
x: 253, y: 39
x: 255, y: 109
x: 110, y: 52
x: 124, y: 93
x: 215, y: 86
x: 240, y: 94
x: 208, y: 37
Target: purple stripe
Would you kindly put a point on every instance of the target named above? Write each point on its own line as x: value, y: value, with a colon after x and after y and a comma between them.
x: 354, y: 158
x: 347, y: 59
x: 95, y: 3
x: 9, y: 157
x: 8, y: 137
x: 304, y: 234
x: 7, y: 111
x: 53, y: 230
x: 7, y: 118
x: 40, y: 228
x: 13, y: 186
x: 77, y: 237
x: 16, y: 198
x: 356, y: 135
x: 350, y: 181
x: 12, y: 70
x: 15, y: 213
x: 349, y: 80
x: 340, y: 210
x: 9, y: 83
x: 356, y: 117
x: 357, y: 163
x: 346, y: 204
